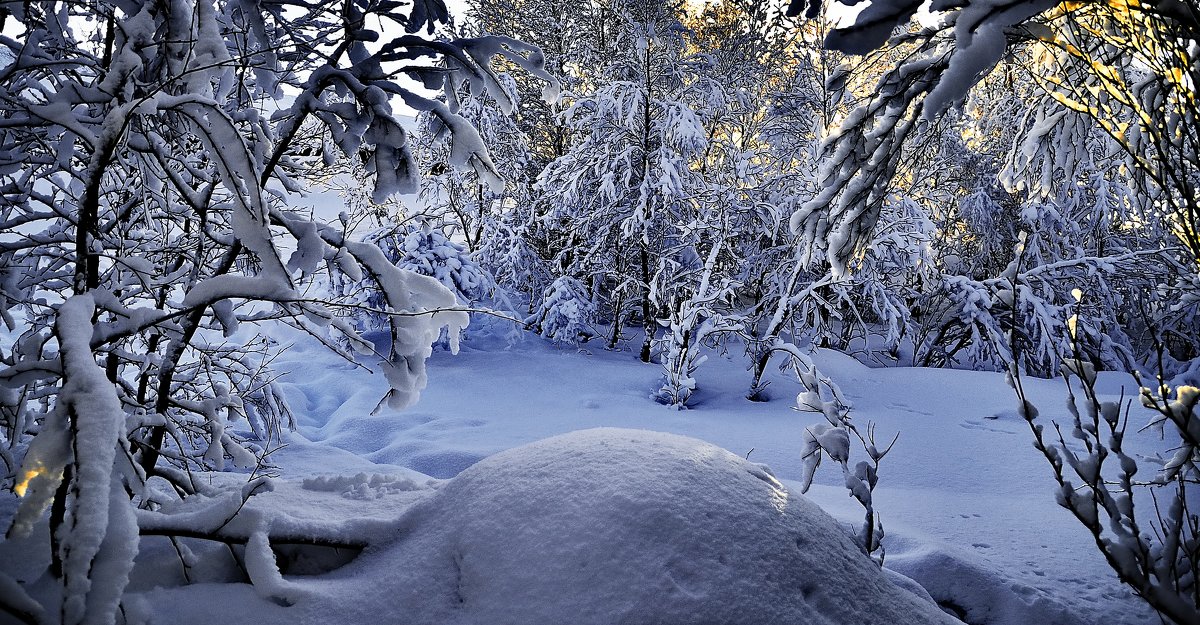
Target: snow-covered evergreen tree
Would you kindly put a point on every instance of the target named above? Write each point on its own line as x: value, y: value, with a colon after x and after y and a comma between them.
x: 424, y: 250
x: 566, y: 314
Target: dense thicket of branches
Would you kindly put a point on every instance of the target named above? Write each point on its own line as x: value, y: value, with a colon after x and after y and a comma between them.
x: 148, y: 153
x: 1096, y: 135
x: 1005, y: 186
x: 706, y: 178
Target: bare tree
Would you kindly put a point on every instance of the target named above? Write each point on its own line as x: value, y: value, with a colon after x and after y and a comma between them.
x: 150, y: 151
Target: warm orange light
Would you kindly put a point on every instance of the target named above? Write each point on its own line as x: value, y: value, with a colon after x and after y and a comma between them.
x: 27, y: 476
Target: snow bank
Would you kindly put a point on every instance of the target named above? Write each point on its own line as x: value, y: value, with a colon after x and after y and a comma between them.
x: 613, y: 525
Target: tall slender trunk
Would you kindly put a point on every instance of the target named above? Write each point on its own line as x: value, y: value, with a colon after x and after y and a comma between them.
x: 648, y: 321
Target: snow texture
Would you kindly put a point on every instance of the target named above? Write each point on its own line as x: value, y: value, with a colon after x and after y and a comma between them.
x: 605, y: 526
x: 612, y: 525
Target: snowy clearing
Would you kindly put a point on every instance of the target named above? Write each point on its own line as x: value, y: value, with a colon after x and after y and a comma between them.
x: 966, y: 502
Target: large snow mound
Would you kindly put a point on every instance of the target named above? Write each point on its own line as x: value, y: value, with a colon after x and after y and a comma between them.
x: 600, y: 526
x: 629, y: 526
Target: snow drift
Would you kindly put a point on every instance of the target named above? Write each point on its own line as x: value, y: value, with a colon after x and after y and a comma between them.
x: 610, y: 526
x: 629, y: 526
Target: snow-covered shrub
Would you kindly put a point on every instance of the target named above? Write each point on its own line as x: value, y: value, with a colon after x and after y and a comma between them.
x: 690, y: 327
x: 566, y: 313
x: 427, y: 252
x: 1148, y: 529
x: 965, y: 319
x: 800, y: 306
x: 698, y: 300
x: 832, y: 439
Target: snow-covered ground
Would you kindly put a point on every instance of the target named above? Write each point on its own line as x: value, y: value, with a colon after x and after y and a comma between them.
x: 967, y: 502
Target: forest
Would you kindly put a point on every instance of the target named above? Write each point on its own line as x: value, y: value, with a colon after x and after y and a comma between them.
x: 221, y: 221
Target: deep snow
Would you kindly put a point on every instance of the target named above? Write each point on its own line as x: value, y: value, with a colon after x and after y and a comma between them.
x: 966, y: 501
x: 600, y: 526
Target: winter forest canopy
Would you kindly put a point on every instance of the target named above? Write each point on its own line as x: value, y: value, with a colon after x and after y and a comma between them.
x: 979, y: 185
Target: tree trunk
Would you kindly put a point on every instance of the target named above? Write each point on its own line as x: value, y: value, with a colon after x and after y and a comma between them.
x: 647, y: 317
